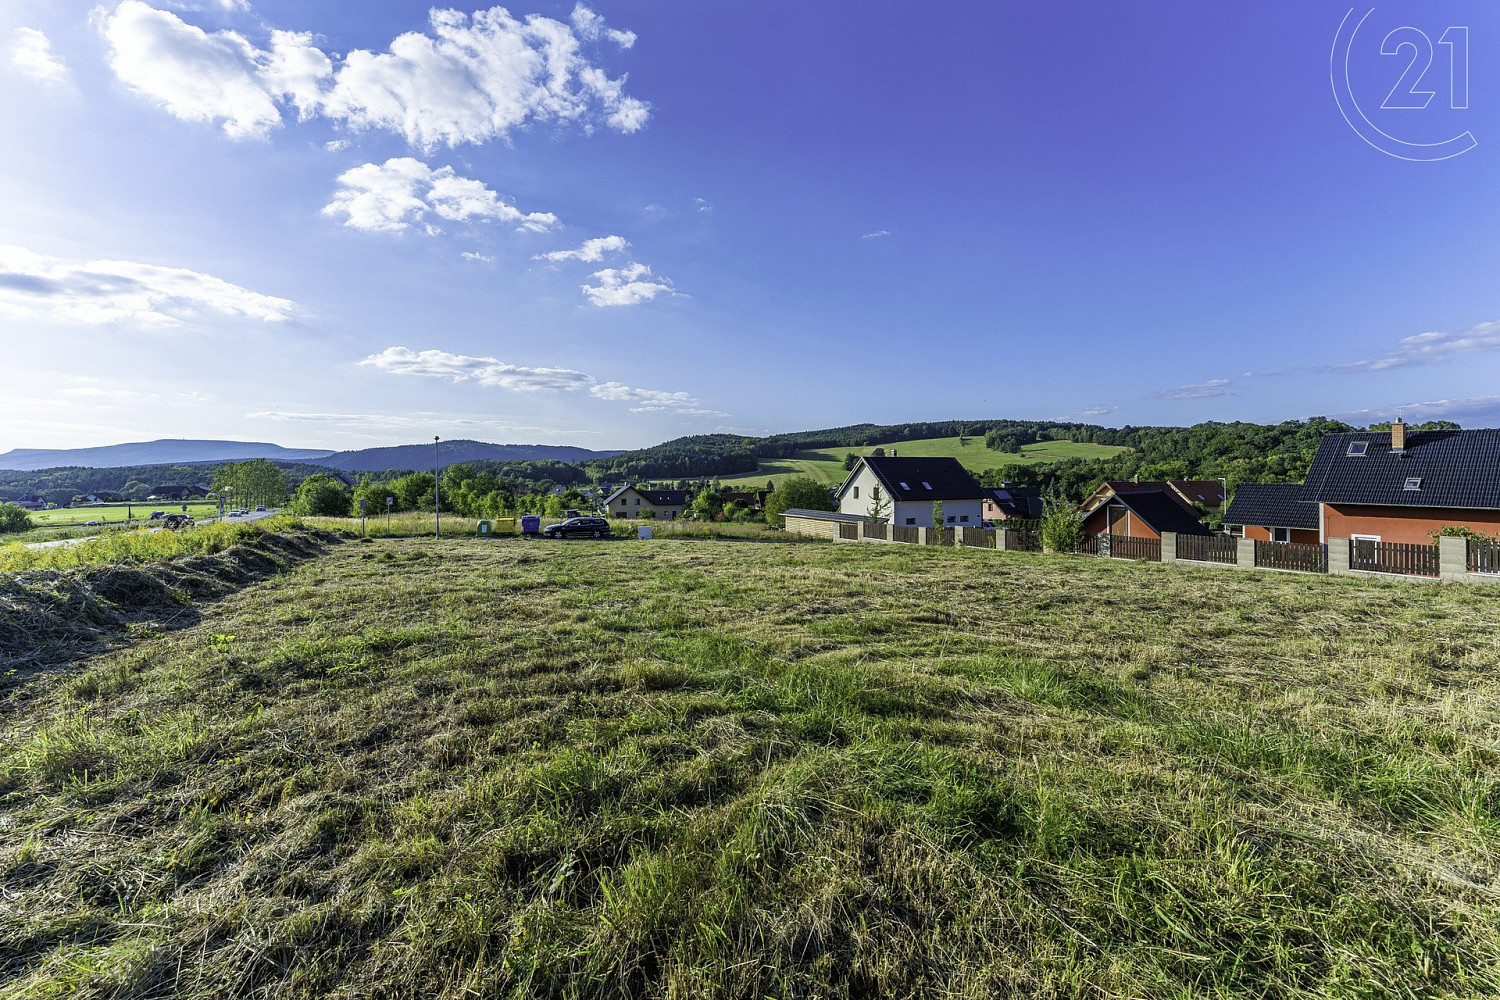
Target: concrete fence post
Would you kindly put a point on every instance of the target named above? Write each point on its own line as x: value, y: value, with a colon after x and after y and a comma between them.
x: 922, y: 535
x: 1453, y: 559
x: 1338, y: 556
x: 1169, y: 546
x: 1244, y: 553
x: 1001, y: 537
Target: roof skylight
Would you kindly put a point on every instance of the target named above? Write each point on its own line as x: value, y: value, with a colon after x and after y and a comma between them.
x: 1357, y: 448
x: 927, y: 484
x: 1413, y: 483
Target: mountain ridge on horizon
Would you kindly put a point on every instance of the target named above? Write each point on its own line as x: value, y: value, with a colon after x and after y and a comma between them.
x: 187, y: 451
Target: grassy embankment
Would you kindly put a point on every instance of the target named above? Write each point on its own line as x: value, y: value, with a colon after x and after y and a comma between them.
x: 138, y: 545
x: 689, y: 769
x: 827, y: 464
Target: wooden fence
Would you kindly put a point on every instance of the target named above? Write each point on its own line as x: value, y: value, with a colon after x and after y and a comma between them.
x: 1024, y: 540
x: 1121, y: 547
x: 1484, y: 557
x: 1393, y: 557
x: 979, y: 538
x: 1288, y: 555
x: 849, y: 530
x: 940, y: 536
x: 1089, y: 546
x: 1208, y: 548
x: 876, y: 530
x: 908, y: 533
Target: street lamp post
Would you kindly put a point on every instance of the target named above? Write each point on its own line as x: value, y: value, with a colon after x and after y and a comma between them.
x: 437, y: 500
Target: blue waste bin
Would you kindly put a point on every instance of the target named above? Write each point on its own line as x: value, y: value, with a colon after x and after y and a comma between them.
x: 531, y: 524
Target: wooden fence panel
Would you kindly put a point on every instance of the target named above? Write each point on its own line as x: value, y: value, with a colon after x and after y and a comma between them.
x: 1121, y: 547
x: 1023, y: 540
x: 979, y: 538
x: 1403, y: 558
x: 1293, y: 556
x: 1221, y: 549
x: 1484, y: 557
x: 875, y: 530
x: 849, y: 530
x: 1089, y: 546
x: 939, y: 536
x: 905, y: 533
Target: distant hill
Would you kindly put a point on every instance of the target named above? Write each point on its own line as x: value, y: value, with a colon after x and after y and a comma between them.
x: 168, y: 451
x: 419, y: 456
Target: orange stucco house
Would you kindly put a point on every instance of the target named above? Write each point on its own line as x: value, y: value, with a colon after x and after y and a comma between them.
x: 1396, y: 486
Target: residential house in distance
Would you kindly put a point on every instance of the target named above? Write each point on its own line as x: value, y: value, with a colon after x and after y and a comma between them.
x: 1009, y: 503
x: 30, y: 502
x: 752, y: 500
x: 175, y: 492
x: 911, y: 485
x: 1144, y: 510
x: 627, y: 501
x: 1273, y: 512
x: 1400, y: 485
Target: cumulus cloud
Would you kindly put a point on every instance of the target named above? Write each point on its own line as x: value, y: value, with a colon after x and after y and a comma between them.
x: 403, y: 190
x: 1201, y: 390
x: 1485, y: 409
x: 34, y: 286
x: 470, y: 78
x: 518, y: 378
x: 32, y: 54
x: 477, y: 257
x: 591, y: 251
x: 625, y: 286
x: 1430, y: 348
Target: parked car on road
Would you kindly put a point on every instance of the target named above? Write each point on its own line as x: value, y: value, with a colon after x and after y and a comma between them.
x: 261, y: 508
x: 578, y: 527
x: 174, y: 521
x: 91, y: 524
x: 157, y: 515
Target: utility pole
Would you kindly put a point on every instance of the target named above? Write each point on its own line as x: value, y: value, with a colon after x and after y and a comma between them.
x: 437, y: 500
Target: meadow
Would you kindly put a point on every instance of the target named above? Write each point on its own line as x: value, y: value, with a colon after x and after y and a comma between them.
x: 681, y: 768
x: 118, y: 513
x: 826, y: 465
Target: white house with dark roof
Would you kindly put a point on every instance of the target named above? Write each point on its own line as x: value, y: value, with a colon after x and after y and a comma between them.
x: 659, y: 505
x: 911, y: 486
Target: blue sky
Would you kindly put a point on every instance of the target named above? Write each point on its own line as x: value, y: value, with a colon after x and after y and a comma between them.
x: 614, y: 224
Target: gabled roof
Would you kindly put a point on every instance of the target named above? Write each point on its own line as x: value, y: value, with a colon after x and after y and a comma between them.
x: 906, y: 479
x: 657, y: 498
x: 1162, y: 511
x: 1458, y: 469
x: 1272, y: 505
x: 1018, y: 501
x: 1208, y: 492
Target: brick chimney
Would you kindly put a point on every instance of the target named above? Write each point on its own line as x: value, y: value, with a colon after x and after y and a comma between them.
x: 1398, y: 435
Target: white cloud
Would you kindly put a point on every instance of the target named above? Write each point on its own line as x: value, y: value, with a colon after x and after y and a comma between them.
x: 37, y: 287
x: 494, y: 372
x: 876, y: 234
x: 336, y: 145
x: 477, y: 257
x: 591, y: 251
x: 625, y: 286
x: 1100, y: 410
x: 404, y: 190
x: 590, y: 27
x: 419, y: 420
x: 472, y: 78
x: 1484, y: 408
x: 1430, y: 348
x: 1201, y: 390
x: 31, y: 53
x: 703, y: 205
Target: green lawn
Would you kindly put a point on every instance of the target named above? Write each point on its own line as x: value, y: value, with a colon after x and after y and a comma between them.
x: 827, y: 464
x: 717, y: 769
x: 116, y: 513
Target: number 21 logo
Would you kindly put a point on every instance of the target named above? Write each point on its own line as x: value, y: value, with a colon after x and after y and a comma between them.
x: 1406, y: 94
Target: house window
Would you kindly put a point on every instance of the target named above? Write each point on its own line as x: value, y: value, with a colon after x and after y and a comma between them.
x: 964, y: 517
x: 1281, y: 534
x: 1357, y: 448
x: 637, y: 501
x: 856, y: 492
x: 911, y: 520
x: 950, y: 519
x: 905, y: 487
x: 926, y: 484
x: 1413, y: 483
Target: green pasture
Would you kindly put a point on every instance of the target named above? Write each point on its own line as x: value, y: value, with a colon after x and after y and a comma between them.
x: 118, y: 513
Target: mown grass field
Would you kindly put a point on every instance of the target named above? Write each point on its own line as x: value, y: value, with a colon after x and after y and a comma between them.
x: 716, y: 769
x: 827, y: 464
x: 116, y: 513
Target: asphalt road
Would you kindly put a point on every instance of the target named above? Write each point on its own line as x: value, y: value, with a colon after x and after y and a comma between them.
x: 58, y: 543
